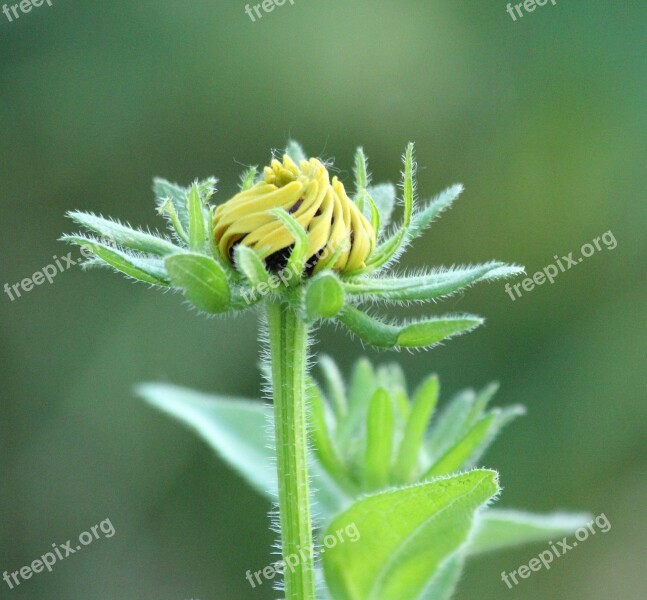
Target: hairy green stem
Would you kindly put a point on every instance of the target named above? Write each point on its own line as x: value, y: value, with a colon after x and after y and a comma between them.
x: 288, y: 339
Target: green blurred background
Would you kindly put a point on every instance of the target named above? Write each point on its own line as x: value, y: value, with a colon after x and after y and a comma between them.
x: 542, y: 119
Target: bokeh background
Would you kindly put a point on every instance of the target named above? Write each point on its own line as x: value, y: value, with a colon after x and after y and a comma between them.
x: 542, y: 119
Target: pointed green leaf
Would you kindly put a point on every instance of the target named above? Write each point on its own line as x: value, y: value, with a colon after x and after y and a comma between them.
x: 295, y: 151
x: 481, y: 402
x: 197, y: 225
x: 324, y: 296
x: 202, y: 280
x: 362, y: 387
x: 398, y: 551
x: 323, y: 446
x: 498, y: 529
x: 445, y: 581
x: 335, y: 385
x: 242, y: 434
x: 236, y: 428
x: 451, y: 424
x: 122, y: 235
x: 432, y: 285
x: 460, y: 454
x: 379, y: 441
x: 423, y: 407
x: 147, y: 269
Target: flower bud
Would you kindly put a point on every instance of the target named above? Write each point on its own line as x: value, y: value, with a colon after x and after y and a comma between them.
x: 337, y: 232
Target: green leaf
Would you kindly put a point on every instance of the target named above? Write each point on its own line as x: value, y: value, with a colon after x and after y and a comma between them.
x: 423, y: 407
x: 461, y: 453
x: 405, y: 536
x: 242, y: 433
x: 295, y: 151
x: 432, y: 285
x: 335, y: 385
x: 122, y: 235
x: 418, y: 334
x: 361, y: 389
x: 451, y: 423
x: 323, y: 446
x: 147, y: 269
x: 202, y: 280
x: 297, y: 260
x: 324, y: 296
x: 197, y: 225
x: 383, y: 196
x: 236, y: 428
x: 379, y: 441
x: 250, y: 265
x: 498, y: 529
x: 445, y: 581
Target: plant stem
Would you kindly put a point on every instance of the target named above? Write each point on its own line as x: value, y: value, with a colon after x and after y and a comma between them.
x: 288, y: 352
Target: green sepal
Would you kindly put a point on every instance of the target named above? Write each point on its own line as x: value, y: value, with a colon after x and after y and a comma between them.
x: 429, y: 286
x: 297, y: 260
x: 324, y: 296
x: 124, y: 236
x: 142, y: 268
x: 418, y: 334
x: 383, y: 196
x: 165, y: 190
x: 197, y: 220
x: 168, y: 210
x: 389, y: 249
x: 250, y: 265
x: 202, y: 280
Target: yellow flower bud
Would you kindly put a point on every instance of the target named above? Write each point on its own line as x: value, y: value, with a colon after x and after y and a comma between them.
x: 332, y: 221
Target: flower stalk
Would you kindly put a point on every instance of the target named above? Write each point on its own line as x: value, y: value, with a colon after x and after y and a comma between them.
x: 288, y: 340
